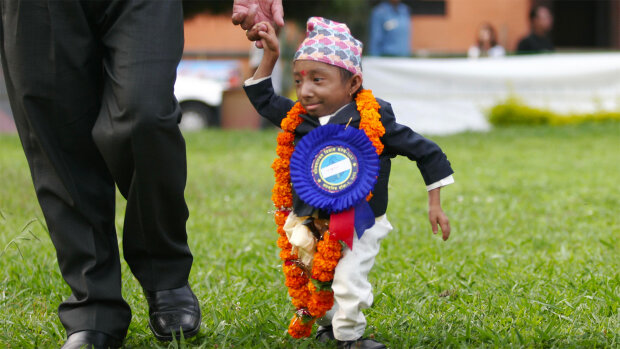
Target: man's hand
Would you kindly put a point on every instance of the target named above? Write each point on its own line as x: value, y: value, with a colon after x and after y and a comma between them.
x: 436, y: 215
x: 247, y: 13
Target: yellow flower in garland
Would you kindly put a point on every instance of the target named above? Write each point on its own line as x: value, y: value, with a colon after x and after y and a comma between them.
x: 312, y: 302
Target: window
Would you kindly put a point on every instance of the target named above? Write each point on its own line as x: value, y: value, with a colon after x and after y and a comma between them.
x: 421, y: 7
x: 427, y: 7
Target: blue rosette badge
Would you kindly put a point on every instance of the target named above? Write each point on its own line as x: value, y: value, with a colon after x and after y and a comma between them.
x: 334, y: 168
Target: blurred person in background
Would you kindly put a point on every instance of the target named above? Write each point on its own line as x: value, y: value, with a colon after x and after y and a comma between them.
x: 486, y: 43
x: 541, y: 22
x: 390, y: 29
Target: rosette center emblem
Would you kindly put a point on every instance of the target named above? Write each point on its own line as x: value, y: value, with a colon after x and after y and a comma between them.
x: 335, y: 168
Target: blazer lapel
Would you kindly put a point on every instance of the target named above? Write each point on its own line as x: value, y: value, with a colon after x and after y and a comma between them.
x: 348, y: 115
x: 309, y: 119
x: 309, y: 124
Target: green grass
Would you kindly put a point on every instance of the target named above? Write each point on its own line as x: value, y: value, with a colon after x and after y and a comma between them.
x: 533, y: 260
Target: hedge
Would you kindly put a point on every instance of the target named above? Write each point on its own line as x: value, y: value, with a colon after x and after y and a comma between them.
x: 514, y: 112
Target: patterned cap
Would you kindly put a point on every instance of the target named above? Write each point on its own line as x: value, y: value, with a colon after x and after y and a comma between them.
x: 331, y: 42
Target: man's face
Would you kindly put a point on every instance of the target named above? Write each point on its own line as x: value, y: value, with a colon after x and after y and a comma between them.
x: 320, y: 87
x: 543, y: 22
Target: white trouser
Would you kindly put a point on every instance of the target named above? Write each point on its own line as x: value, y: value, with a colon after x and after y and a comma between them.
x: 352, y: 291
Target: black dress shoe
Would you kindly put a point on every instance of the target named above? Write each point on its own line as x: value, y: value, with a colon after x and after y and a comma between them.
x: 325, y: 334
x: 91, y: 339
x: 360, y: 344
x: 173, y: 311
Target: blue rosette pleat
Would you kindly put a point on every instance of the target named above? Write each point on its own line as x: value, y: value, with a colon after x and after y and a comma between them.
x: 308, y: 149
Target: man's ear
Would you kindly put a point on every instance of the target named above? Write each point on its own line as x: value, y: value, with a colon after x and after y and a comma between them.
x: 355, y: 83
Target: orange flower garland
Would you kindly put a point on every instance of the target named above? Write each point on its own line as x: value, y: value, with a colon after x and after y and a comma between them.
x: 370, y: 120
x: 312, y: 295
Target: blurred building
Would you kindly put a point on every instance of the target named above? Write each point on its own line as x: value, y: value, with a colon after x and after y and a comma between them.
x: 446, y: 27
x: 578, y: 24
x: 442, y: 28
x: 585, y: 24
x: 453, y: 30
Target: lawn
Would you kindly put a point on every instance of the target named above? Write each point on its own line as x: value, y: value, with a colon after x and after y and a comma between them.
x: 533, y: 260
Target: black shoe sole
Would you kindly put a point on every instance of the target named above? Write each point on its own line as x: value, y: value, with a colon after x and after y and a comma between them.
x: 325, y: 334
x: 167, y: 338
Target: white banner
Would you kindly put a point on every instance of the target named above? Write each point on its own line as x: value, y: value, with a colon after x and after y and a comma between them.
x: 442, y: 96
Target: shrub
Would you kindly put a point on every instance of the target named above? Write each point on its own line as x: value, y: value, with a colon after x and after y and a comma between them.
x: 514, y: 112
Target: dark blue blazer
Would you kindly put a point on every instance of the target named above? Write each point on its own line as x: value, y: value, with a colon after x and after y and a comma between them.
x: 398, y: 140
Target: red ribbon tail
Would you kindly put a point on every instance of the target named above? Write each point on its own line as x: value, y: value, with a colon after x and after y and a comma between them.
x: 341, y: 226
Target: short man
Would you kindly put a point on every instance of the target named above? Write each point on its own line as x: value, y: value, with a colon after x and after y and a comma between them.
x: 91, y: 86
x: 541, y: 22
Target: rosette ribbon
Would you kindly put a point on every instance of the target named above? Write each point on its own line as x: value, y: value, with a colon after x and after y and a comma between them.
x: 333, y: 168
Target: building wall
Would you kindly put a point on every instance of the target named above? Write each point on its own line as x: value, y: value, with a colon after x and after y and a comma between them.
x: 449, y: 34
x: 214, y: 35
x: 456, y: 31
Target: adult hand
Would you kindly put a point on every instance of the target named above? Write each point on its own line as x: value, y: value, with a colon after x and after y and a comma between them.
x: 247, y: 13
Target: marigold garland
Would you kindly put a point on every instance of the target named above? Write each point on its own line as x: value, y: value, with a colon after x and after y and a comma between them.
x: 370, y: 120
x: 312, y: 302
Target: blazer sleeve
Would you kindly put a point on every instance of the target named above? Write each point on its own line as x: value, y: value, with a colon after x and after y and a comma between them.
x: 401, y: 140
x: 267, y: 103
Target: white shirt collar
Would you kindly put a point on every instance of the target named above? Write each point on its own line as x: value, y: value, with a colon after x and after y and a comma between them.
x: 325, y: 119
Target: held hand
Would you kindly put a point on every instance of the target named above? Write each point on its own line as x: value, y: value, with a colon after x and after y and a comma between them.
x: 249, y: 12
x: 268, y: 39
x: 437, y: 217
x: 271, y: 46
